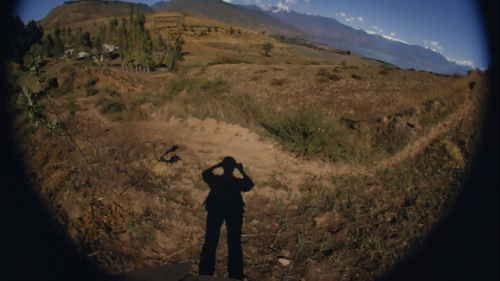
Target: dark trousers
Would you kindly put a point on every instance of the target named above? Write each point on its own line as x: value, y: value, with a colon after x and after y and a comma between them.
x: 234, y: 222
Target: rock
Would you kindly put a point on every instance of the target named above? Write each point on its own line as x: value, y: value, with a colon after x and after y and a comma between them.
x: 285, y: 253
x: 284, y: 262
x: 319, y: 221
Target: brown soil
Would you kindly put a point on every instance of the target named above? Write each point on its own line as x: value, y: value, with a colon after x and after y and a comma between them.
x: 310, y: 220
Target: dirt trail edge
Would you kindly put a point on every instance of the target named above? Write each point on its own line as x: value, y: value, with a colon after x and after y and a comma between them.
x: 205, y: 142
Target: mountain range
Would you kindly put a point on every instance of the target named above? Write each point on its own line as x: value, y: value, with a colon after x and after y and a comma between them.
x: 319, y: 29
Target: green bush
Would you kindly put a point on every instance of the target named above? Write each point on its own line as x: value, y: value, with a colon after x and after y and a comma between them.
x: 302, y: 131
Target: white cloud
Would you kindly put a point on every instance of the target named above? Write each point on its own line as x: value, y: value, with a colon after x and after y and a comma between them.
x: 228, y: 1
x: 357, y: 28
x: 281, y: 7
x: 393, y: 38
x: 433, y: 45
x: 259, y: 4
x: 348, y: 19
x: 289, y: 1
x: 375, y: 27
x: 381, y: 30
x: 360, y: 19
x: 393, y: 34
x: 461, y: 62
x: 342, y: 14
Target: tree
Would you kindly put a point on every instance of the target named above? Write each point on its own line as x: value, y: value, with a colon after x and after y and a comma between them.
x: 177, y: 53
x: 231, y: 30
x: 267, y: 47
x: 123, y: 45
x: 58, y: 42
x: 31, y: 56
x: 47, y: 46
x: 140, y: 20
x: 348, y: 52
x: 97, y: 44
x: 113, y: 23
x: 160, y: 44
x: 85, y: 39
x: 23, y: 38
x: 147, y: 48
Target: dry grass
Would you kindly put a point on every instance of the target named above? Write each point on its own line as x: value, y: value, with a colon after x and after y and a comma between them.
x: 352, y: 226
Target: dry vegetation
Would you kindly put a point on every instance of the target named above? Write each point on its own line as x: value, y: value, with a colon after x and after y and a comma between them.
x: 353, y: 164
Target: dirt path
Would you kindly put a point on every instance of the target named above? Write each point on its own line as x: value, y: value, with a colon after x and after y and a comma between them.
x: 206, y: 142
x: 414, y: 148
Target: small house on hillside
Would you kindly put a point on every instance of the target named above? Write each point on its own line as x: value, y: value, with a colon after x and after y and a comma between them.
x: 109, y: 48
x: 82, y: 55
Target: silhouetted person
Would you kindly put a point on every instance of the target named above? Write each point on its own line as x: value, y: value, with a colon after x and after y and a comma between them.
x: 224, y: 202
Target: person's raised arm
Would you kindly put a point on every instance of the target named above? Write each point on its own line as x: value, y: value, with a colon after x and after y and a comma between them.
x: 208, y: 174
x: 247, y: 182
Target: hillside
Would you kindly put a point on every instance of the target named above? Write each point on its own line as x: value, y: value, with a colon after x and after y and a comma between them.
x: 77, y: 11
x: 232, y: 14
x: 354, y: 161
x: 362, y: 194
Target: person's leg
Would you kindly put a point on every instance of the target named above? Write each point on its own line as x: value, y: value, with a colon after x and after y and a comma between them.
x: 207, y: 260
x: 234, y: 222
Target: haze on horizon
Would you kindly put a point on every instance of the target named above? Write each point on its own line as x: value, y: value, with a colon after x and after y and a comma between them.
x: 453, y: 28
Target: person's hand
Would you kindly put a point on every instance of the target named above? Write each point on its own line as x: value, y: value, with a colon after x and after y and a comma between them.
x: 239, y: 166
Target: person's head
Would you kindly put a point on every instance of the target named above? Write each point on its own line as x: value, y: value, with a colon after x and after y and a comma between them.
x: 228, y: 164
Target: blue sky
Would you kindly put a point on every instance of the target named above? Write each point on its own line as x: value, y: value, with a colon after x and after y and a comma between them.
x: 451, y: 27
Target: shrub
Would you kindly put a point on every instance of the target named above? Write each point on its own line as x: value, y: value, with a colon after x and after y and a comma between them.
x: 267, y: 47
x: 343, y: 63
x: 218, y: 85
x: 302, y: 131
x: 277, y: 82
x: 113, y: 106
x: 229, y: 60
x: 91, y: 91
x: 355, y: 76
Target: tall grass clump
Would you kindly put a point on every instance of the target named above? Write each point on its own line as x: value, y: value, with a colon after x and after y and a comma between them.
x: 303, y: 131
